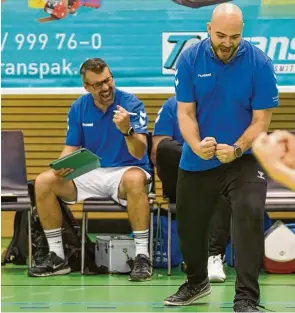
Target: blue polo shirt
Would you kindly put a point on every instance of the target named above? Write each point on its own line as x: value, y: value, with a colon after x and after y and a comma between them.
x: 225, y: 94
x: 166, y: 123
x: 94, y: 130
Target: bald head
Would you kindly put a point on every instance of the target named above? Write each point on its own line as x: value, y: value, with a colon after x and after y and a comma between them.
x: 226, y: 11
x: 225, y: 30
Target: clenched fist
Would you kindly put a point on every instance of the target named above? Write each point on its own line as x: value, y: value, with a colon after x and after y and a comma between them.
x: 225, y: 153
x: 206, y: 148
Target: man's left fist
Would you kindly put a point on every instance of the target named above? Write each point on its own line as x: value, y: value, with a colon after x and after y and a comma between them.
x: 225, y: 153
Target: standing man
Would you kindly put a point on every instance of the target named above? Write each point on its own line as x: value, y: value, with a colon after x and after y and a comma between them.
x: 112, y: 124
x: 226, y: 89
x: 166, y: 154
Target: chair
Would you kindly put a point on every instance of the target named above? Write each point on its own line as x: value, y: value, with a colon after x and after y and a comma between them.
x: 279, y: 198
x: 171, y: 210
x: 14, y: 188
x: 109, y: 205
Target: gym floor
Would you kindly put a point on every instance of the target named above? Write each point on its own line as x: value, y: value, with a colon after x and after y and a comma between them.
x: 114, y: 293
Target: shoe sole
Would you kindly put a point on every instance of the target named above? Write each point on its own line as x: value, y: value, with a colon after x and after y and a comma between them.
x: 216, y: 279
x: 197, y: 297
x: 140, y: 279
x: 60, y: 272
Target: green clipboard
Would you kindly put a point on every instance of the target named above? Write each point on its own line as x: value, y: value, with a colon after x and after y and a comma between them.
x: 81, y: 161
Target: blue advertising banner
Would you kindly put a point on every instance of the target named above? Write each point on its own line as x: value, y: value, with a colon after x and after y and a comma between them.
x: 139, y: 39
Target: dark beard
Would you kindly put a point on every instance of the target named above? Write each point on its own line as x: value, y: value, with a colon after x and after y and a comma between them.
x: 232, y: 54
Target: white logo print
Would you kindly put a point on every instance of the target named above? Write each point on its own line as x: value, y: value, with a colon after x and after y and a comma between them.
x: 142, y: 119
x: 176, y: 79
x: 87, y: 124
x: 260, y: 175
x: 158, y: 117
x: 56, y: 266
x: 205, y: 75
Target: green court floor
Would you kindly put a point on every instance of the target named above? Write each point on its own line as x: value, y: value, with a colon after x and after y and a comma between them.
x: 114, y: 293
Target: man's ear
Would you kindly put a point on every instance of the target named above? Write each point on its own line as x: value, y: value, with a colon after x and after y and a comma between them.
x: 86, y: 87
x: 209, y: 28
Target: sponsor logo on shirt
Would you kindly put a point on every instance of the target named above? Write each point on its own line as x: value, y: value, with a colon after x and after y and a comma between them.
x: 205, y: 75
x: 87, y: 124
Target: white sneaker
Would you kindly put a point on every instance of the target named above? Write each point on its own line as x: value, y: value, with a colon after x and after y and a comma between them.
x: 215, y: 269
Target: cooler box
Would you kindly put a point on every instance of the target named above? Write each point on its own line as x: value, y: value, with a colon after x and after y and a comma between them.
x: 280, y: 249
x: 116, y: 252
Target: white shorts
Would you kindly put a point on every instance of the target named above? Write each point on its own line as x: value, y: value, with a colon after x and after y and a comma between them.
x: 103, y: 182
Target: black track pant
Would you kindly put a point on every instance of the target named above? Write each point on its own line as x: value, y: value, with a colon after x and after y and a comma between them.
x: 197, y: 195
x: 168, y: 157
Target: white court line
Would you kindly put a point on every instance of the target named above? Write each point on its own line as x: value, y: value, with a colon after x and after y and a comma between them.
x: 41, y: 293
x: 2, y: 298
x: 77, y: 289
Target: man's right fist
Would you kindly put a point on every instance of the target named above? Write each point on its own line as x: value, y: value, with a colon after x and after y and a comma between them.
x: 206, y: 148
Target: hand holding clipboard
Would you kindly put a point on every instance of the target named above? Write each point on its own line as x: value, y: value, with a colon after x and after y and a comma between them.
x: 75, y: 164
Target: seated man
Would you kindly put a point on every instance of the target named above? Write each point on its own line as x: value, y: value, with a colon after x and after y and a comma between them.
x: 112, y: 124
x: 166, y: 153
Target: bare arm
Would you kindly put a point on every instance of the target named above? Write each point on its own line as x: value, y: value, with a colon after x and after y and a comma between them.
x: 281, y: 173
x: 136, y: 145
x: 67, y: 150
x: 260, y: 122
x: 276, y: 153
x: 188, y: 124
x: 156, y: 141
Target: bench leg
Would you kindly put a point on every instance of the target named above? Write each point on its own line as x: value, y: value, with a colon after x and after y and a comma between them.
x: 84, y: 218
x: 30, y: 238
x: 169, y: 242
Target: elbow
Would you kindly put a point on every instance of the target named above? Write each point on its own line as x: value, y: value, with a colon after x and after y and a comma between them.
x: 139, y: 153
x: 138, y: 156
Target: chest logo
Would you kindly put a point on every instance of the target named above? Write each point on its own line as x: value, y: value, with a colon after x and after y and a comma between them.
x: 205, y: 75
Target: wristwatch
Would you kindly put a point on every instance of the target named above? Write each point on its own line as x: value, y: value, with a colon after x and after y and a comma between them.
x: 238, y: 151
x: 130, y: 132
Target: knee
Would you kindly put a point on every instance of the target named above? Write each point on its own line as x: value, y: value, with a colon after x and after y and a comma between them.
x: 44, y: 182
x: 249, y: 212
x: 134, y: 180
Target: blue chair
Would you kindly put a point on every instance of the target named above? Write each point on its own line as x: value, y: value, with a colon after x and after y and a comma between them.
x: 14, y: 188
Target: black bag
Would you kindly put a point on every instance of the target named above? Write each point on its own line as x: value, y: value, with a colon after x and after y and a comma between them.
x: 17, y: 251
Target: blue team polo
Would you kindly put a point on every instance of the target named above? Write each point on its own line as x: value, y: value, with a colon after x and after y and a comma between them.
x: 95, y: 130
x: 166, y: 123
x: 225, y: 94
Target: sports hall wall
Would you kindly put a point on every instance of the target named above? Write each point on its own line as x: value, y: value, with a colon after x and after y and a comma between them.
x: 140, y: 40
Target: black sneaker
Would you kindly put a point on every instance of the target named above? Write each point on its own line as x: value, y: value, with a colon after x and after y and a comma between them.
x: 141, y: 268
x: 189, y: 293
x: 50, y: 265
x: 245, y: 306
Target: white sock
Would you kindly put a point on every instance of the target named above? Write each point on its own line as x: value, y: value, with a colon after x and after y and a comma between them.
x: 141, y: 239
x: 54, y: 240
